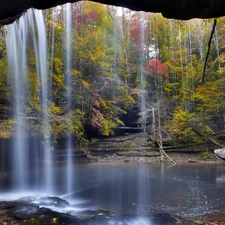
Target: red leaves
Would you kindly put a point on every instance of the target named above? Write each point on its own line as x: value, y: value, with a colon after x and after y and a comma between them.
x: 138, y: 32
x: 91, y: 17
x: 97, y: 120
x: 97, y: 116
x: 156, y: 67
x: 138, y: 29
x: 95, y: 102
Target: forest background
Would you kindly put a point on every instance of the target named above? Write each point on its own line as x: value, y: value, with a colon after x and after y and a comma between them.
x: 123, y: 62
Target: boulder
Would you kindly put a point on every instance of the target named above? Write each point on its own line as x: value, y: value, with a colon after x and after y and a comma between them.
x: 220, y: 153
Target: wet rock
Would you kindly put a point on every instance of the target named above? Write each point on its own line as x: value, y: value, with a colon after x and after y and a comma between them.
x: 215, y: 219
x: 17, y: 212
x: 180, y: 9
x: 220, y: 153
x: 83, y: 215
x: 52, y: 201
x: 48, y: 216
x: 168, y: 219
x: 191, y: 160
x: 163, y: 218
x: 44, y: 210
x: 2, y: 174
x: 25, y: 212
x: 27, y: 199
x: 155, y: 219
x: 22, y: 212
x: 6, y: 205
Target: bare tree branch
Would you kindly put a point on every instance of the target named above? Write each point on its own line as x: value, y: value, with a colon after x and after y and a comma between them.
x: 209, y: 44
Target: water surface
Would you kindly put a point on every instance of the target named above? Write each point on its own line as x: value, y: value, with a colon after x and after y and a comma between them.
x: 189, y: 190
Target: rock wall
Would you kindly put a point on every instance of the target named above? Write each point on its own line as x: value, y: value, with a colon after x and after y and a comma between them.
x: 10, y: 10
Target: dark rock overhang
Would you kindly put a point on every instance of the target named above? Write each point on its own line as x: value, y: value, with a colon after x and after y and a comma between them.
x: 10, y: 10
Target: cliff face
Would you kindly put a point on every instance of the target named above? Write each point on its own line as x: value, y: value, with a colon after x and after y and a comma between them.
x: 178, y: 9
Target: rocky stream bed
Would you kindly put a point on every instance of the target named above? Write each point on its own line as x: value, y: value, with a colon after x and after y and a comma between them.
x: 53, y: 210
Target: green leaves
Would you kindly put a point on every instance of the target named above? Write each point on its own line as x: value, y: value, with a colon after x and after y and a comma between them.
x: 109, y: 53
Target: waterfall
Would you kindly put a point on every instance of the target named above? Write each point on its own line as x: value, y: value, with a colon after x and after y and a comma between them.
x: 68, y: 80
x: 40, y: 43
x: 216, y: 41
x: 52, y: 49
x: 31, y: 26
x: 37, y: 154
x: 17, y: 78
x: 143, y: 61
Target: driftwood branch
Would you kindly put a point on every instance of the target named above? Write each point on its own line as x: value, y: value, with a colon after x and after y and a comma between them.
x: 162, y: 152
x: 168, y: 157
x: 207, y: 55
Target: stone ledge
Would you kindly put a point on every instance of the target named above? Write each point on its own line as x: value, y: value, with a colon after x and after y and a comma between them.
x: 10, y: 10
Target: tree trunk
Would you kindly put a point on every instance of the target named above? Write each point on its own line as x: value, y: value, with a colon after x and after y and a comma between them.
x: 213, y: 140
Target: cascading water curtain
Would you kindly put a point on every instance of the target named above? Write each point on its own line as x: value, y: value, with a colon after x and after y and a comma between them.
x: 68, y: 79
x: 29, y: 29
x: 16, y: 43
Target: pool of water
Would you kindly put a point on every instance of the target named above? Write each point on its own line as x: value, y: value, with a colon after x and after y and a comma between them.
x: 188, y: 190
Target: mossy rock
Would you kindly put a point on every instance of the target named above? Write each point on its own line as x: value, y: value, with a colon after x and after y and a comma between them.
x: 192, y: 160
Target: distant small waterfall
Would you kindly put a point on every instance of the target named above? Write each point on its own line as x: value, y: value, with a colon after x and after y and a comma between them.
x: 142, y: 66
x: 68, y: 80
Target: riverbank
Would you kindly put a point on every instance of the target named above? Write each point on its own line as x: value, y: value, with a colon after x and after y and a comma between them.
x: 136, y: 148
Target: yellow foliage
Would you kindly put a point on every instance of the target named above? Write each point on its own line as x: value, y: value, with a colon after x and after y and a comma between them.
x: 76, y: 73
x: 87, y: 7
x: 58, y: 65
x: 108, y: 126
x: 208, y: 99
x: 54, y: 109
x: 97, y: 53
x: 58, y: 27
x: 180, y: 124
x: 54, y: 220
x: 86, y: 84
x: 6, y: 128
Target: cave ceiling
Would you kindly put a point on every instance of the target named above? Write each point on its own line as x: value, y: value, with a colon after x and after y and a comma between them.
x: 10, y: 10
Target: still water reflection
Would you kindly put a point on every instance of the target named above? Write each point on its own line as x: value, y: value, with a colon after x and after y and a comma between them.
x: 140, y: 189
x: 187, y: 190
